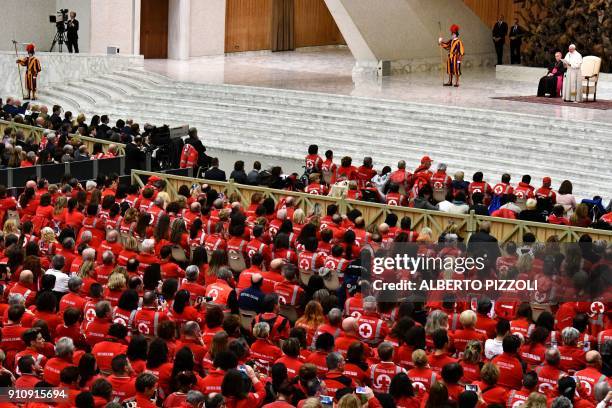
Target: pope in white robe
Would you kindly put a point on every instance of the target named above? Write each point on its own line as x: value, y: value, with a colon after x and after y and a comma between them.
x: 572, y: 83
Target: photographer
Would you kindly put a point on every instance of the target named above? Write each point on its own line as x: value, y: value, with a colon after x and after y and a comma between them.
x: 72, y: 35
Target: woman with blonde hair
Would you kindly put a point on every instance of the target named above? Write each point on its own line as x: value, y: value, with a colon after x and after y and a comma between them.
x: 128, y: 223
x: 299, y: 220
x: 130, y: 250
x: 471, y: 362
x: 435, y: 320
x: 87, y: 272
x: 117, y: 283
x: 59, y: 213
x: 535, y: 400
x: 11, y: 227
x: 47, y: 242
x: 312, y: 318
x: 349, y: 401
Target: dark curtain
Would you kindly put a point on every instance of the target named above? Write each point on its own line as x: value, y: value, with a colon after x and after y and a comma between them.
x: 282, y: 25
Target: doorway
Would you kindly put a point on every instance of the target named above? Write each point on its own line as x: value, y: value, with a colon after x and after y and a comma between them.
x: 154, y: 29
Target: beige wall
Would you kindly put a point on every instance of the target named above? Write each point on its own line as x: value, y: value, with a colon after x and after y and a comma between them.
x: 112, y: 25
x: 207, y: 27
x: 26, y: 21
x: 405, y: 29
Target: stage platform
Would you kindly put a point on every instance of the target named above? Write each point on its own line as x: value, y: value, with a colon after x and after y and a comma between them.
x: 330, y: 70
x: 61, y: 68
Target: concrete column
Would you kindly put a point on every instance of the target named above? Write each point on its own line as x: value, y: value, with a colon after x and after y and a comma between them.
x: 136, y: 26
x: 179, y: 29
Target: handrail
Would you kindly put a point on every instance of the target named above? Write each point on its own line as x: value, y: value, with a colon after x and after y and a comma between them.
x: 374, y: 213
x: 37, y: 132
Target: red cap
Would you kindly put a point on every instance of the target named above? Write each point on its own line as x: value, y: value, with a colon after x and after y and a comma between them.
x: 454, y: 28
x: 153, y: 179
x: 30, y: 48
x: 425, y: 159
x: 546, y: 180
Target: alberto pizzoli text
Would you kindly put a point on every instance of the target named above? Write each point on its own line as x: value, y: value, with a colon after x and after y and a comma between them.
x: 458, y: 285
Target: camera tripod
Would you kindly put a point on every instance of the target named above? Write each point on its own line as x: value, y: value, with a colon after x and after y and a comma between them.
x: 60, y: 39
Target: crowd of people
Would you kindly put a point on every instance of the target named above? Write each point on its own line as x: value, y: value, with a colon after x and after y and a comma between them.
x: 127, y: 296
x: 424, y: 188
x: 60, y: 142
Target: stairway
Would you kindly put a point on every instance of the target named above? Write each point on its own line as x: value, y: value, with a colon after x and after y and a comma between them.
x: 284, y: 122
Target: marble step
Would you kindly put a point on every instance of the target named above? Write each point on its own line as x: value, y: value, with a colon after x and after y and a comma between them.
x: 369, y: 125
x: 356, y: 131
x: 131, y: 87
x: 145, y: 77
x: 107, y: 84
x: 100, y: 93
x: 51, y: 97
x: 390, y: 115
x: 263, y: 139
x: 304, y: 98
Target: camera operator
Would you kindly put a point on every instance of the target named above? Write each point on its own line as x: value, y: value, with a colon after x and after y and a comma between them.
x: 72, y: 35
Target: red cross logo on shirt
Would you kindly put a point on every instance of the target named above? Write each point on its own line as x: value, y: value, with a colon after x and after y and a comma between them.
x: 213, y: 293
x: 365, y: 330
x: 120, y: 320
x: 382, y: 381
x: 597, y: 308
x: 143, y: 327
x: 304, y: 264
x: 90, y: 314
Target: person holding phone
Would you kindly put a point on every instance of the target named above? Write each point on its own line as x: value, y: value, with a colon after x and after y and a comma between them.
x: 235, y: 389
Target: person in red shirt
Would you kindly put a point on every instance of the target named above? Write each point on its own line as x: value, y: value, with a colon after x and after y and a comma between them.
x: 97, y: 330
x: 503, y: 189
x: 72, y: 328
x: 313, y: 161
x: 558, y: 216
x: 546, y: 193
x: 263, y: 352
x: 422, y: 376
x: 64, y: 350
x: 532, y: 352
x: 146, y: 387
x: 11, y: 341
x: 147, y: 319
x: 346, y: 170
x: 520, y: 396
x: 492, y: 393
x: 572, y: 356
x: 113, y: 345
x: 524, y: 190
x: 471, y: 362
x: 380, y: 374
x: 73, y: 297
x: 549, y: 373
x: 335, y: 378
x: 394, y: 197
x: 25, y: 287
x: 439, y: 358
x: 591, y: 375
x: 35, y: 347
x: 485, y: 324
x: 29, y: 370
x: 461, y: 337
x: 510, y: 368
x: 315, y: 186
x: 329, y: 168
x: 124, y: 385
x: 324, y: 345
x: 365, y: 172
x: 291, y: 357
x: 371, y: 328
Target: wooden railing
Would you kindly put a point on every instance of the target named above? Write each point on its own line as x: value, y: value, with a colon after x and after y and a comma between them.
x: 38, y: 133
x: 503, y: 229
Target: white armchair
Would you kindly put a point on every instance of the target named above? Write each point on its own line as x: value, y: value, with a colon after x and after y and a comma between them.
x: 590, y: 74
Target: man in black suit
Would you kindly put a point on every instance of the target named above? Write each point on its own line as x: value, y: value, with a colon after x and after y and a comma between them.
x: 56, y: 119
x: 103, y: 128
x: 482, y: 243
x: 214, y: 173
x: 72, y: 35
x: 135, y: 157
x: 500, y: 31
x: 516, y: 40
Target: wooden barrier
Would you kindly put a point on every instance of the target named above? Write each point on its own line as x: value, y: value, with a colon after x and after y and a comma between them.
x: 38, y: 133
x: 503, y: 229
